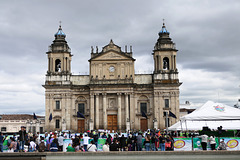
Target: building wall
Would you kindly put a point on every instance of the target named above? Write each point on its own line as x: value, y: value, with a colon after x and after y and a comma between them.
x: 113, y: 89
x: 14, y: 126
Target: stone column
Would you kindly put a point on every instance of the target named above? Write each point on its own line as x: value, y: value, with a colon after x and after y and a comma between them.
x: 160, y: 63
x: 161, y: 106
x: 132, y: 110
x: 137, y: 119
x: 63, y: 64
x: 127, y: 112
x: 64, y: 114
x: 91, y: 121
x: 52, y: 122
x: 52, y: 65
x: 68, y: 111
x: 119, y: 111
x: 72, y: 107
x: 69, y: 65
x: 47, y: 106
x: 97, y: 111
x: 155, y: 110
x: 48, y: 64
x: 105, y: 110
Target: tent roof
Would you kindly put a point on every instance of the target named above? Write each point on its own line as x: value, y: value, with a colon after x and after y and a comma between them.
x: 213, y: 111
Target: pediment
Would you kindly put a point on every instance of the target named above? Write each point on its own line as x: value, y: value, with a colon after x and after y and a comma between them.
x: 111, y: 55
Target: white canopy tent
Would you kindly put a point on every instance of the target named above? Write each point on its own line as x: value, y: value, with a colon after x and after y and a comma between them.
x: 211, y: 115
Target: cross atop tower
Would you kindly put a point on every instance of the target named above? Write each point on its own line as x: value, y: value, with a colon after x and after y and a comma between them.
x: 60, y: 24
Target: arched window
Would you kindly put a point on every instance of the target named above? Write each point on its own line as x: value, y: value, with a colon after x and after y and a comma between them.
x: 165, y: 63
x: 58, y: 65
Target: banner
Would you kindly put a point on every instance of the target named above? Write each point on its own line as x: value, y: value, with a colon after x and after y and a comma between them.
x: 232, y: 142
x: 182, y: 144
x: 66, y: 142
x: 197, y: 144
x: 101, y: 142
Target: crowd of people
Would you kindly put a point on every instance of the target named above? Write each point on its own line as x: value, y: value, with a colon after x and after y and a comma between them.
x: 151, y: 140
x: 88, y: 141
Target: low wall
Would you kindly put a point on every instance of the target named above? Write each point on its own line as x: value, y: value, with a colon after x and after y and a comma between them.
x: 45, y: 154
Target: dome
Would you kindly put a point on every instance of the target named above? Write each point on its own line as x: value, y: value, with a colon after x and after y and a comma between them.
x: 60, y: 32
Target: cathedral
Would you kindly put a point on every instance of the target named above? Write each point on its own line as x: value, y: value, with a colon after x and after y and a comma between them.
x: 112, y: 97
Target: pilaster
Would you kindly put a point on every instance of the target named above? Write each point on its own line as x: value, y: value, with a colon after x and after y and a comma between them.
x: 105, y: 110
x: 91, y: 121
x: 97, y: 111
x: 127, y: 112
x: 119, y: 112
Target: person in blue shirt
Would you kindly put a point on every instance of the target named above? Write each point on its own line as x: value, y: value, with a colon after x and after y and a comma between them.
x: 1, y: 141
x: 104, y: 135
x: 54, y: 146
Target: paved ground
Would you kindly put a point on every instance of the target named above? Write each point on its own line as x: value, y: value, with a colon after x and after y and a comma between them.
x: 187, y: 155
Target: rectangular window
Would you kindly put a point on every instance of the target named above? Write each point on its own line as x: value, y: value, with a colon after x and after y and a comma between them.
x: 41, y: 130
x: 57, y: 104
x: 57, y: 123
x: 3, y: 129
x: 166, y: 103
x: 143, y: 107
x: 81, y: 108
x: 167, y: 122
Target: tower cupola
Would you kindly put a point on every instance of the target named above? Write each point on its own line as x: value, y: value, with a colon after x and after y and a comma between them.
x: 164, y: 53
x: 60, y: 33
x: 164, y: 42
x: 59, y: 55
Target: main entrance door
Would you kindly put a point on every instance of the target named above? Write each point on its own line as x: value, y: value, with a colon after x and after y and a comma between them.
x: 144, y: 124
x: 81, y: 125
x: 112, y: 122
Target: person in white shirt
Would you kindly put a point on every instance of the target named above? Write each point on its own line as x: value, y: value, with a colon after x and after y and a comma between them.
x: 60, y: 142
x: 85, y: 141
x: 204, y: 138
x: 105, y: 147
x: 32, y: 146
x: 92, y: 147
x: 212, y: 142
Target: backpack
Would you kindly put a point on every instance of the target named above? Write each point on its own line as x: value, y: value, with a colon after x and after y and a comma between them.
x: 42, y: 147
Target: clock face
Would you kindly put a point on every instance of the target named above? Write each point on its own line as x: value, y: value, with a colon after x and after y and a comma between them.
x: 111, y: 69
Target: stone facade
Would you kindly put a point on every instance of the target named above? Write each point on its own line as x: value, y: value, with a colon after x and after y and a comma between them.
x: 112, y: 96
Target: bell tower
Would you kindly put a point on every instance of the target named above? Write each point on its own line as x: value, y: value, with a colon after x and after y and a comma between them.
x: 164, y: 55
x: 165, y: 79
x: 59, y: 55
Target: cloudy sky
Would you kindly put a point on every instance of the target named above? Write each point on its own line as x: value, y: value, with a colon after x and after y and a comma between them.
x: 206, y: 33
